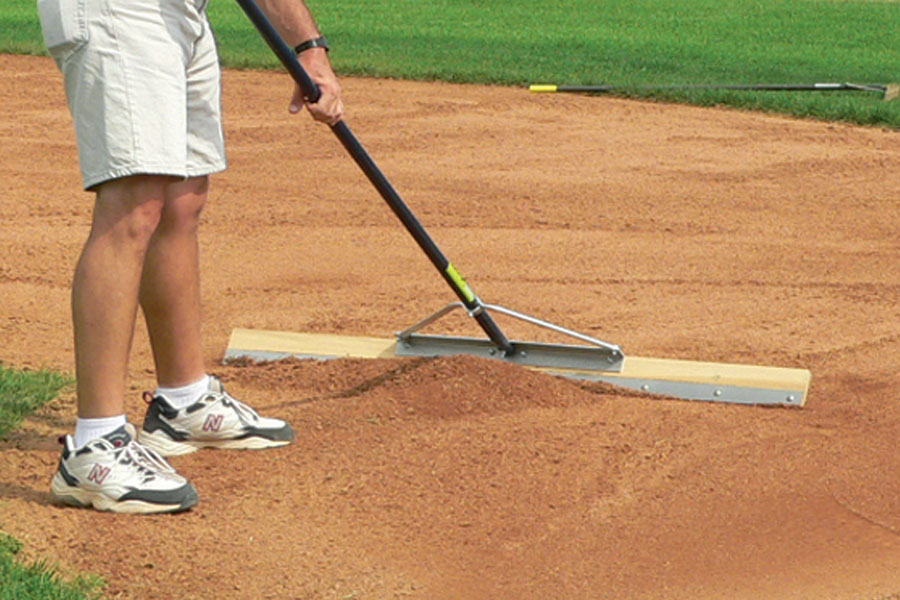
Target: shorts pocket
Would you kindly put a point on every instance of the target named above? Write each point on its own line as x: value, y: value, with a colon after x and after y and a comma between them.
x: 64, y: 24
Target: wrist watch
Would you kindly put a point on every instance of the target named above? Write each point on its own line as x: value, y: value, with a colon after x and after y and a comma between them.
x: 319, y: 42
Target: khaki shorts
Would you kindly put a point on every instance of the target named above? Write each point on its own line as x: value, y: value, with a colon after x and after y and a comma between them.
x: 143, y: 85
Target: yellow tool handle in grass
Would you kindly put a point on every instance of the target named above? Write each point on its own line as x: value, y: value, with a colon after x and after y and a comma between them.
x: 888, y: 91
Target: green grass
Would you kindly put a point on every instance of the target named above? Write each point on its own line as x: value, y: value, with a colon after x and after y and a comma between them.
x: 619, y: 42
x: 23, y: 392
x: 40, y: 580
x: 20, y: 31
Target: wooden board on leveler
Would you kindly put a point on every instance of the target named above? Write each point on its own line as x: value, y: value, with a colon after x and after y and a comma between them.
x: 690, y: 380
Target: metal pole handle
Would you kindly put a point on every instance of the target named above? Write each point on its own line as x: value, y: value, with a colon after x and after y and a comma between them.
x: 312, y: 93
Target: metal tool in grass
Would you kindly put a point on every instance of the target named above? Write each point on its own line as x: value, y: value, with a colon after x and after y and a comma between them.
x: 888, y: 91
x: 591, y: 359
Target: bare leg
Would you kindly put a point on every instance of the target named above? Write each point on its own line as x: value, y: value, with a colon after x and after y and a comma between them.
x: 170, y: 286
x: 105, y: 289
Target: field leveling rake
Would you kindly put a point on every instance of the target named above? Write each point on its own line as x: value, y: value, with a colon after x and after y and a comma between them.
x: 591, y: 359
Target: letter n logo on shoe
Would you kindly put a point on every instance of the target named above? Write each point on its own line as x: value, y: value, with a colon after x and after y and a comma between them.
x: 213, y: 422
x: 99, y: 474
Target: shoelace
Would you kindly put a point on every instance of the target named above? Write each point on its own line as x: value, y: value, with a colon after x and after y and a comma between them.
x: 152, y: 458
x: 244, y: 412
x: 145, y: 460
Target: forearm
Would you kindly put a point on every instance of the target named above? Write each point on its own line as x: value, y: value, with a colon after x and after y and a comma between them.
x: 292, y: 19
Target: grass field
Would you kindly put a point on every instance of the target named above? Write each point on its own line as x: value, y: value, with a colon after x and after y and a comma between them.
x: 618, y: 42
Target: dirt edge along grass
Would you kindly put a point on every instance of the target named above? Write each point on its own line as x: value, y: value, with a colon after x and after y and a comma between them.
x: 40, y: 580
x: 614, y: 42
x: 23, y: 392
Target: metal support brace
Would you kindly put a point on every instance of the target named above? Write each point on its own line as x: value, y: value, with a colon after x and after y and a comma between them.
x: 599, y: 355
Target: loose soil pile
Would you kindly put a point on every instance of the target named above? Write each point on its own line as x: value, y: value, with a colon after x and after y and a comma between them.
x: 674, y: 231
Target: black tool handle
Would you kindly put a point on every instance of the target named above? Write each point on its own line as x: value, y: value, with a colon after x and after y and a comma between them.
x: 311, y: 91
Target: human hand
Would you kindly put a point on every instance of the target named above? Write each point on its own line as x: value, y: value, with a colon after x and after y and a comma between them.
x: 329, y: 108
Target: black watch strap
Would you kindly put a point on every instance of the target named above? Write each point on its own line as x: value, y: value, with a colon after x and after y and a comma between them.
x: 319, y: 42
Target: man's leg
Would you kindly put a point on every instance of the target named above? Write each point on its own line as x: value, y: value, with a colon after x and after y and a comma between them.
x: 103, y: 459
x: 170, y: 286
x: 190, y: 410
x: 105, y: 289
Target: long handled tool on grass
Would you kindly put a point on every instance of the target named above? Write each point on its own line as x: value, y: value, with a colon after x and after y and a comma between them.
x: 888, y: 91
x: 597, y: 361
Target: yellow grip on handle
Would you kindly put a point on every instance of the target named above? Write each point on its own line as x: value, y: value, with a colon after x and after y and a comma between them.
x: 461, y: 284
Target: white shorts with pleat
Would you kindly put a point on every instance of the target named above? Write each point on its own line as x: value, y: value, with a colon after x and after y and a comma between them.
x: 143, y: 85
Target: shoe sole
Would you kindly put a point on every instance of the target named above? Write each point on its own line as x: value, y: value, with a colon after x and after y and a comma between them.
x: 166, y: 446
x: 75, y: 496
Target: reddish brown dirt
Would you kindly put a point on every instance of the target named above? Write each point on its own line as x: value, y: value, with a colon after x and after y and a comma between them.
x: 674, y: 231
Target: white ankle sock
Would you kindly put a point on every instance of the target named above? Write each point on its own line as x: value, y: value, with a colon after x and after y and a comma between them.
x: 185, y: 395
x: 88, y: 430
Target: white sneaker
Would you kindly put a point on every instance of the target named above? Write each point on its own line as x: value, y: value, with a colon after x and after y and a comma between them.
x: 116, y: 473
x: 216, y: 420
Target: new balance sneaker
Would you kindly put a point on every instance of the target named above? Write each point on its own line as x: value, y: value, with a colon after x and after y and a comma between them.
x: 216, y: 420
x: 116, y: 473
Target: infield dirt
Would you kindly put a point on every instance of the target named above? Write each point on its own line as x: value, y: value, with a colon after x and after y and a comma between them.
x: 676, y: 232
